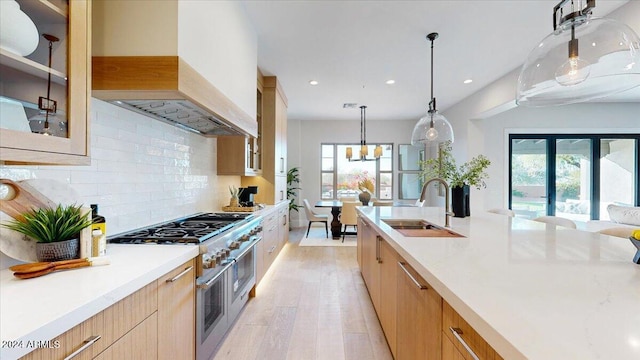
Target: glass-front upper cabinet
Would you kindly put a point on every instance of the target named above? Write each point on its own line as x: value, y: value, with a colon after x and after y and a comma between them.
x: 44, y: 81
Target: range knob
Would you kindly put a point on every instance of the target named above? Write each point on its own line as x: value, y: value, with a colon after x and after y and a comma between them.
x: 244, y: 237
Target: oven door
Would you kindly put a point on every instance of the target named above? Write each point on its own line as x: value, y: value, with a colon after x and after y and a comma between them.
x: 211, y: 314
x: 242, y: 277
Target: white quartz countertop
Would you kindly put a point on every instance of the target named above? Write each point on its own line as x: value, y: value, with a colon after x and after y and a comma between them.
x: 41, y: 308
x: 532, y: 290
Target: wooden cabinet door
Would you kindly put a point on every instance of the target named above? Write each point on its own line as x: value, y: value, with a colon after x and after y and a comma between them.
x: 370, y: 267
x: 283, y: 225
x: 466, y: 340
x: 419, y: 319
x: 176, y: 313
x: 449, y: 351
x: 139, y: 343
x: 388, y: 293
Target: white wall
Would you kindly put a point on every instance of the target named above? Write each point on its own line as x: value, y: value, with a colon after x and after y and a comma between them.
x: 142, y: 171
x: 476, y: 133
x: 217, y: 39
x: 305, y: 137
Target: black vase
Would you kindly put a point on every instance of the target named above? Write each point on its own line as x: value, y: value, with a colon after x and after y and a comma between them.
x: 460, y: 201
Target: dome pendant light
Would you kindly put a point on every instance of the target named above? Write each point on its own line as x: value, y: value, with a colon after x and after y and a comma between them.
x: 433, y: 128
x: 603, y: 58
x: 364, y: 149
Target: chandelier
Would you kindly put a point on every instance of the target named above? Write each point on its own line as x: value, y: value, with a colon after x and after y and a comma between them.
x: 364, y: 149
x: 433, y: 128
x: 584, y: 58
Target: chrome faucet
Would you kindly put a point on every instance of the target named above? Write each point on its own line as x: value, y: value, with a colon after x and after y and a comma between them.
x: 447, y: 212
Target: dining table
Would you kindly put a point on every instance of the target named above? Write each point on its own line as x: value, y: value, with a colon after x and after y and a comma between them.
x: 336, y: 208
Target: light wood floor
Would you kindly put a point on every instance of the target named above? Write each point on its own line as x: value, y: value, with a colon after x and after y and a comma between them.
x: 312, y: 304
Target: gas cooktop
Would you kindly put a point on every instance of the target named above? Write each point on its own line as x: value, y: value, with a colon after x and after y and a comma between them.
x: 191, y: 230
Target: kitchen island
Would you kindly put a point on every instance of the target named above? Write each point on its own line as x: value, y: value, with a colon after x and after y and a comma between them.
x: 531, y: 290
x: 37, y: 310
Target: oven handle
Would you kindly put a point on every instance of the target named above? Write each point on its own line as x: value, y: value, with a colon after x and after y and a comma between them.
x: 210, y: 282
x: 247, y: 249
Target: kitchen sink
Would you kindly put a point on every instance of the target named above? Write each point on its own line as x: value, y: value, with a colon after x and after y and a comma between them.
x: 419, y: 228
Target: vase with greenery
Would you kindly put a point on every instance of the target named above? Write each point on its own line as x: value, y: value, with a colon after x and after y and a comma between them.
x: 235, y: 196
x: 56, y: 231
x: 366, y: 187
x: 293, y: 179
x: 460, y: 178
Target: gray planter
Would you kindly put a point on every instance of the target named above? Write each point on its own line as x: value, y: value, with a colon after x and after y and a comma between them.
x: 56, y: 251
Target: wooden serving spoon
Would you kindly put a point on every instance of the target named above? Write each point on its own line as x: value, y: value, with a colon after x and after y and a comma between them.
x: 28, y: 271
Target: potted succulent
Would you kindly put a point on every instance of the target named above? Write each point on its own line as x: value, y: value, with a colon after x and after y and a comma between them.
x: 459, y: 178
x: 56, y: 231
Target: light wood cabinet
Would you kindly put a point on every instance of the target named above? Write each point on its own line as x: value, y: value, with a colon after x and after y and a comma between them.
x: 272, y: 184
x: 155, y: 322
x: 96, y: 334
x: 139, y: 343
x: 389, y: 293
x: 419, y: 315
x: 269, y: 242
x: 283, y: 224
x: 25, y: 79
x: 465, y: 340
x: 379, y: 268
x: 176, y: 313
x: 242, y: 155
x: 370, y: 256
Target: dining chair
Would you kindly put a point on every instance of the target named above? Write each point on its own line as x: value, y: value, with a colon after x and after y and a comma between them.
x: 555, y: 220
x: 623, y: 232
x: 349, y: 217
x: 313, y: 217
x: 501, y: 211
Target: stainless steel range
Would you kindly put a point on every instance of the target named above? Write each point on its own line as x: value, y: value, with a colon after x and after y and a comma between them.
x: 225, y: 271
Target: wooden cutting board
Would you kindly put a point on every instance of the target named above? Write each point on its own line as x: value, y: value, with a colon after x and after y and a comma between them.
x: 19, y: 247
x: 22, y: 198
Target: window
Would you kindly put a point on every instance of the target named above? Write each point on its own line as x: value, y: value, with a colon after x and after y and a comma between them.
x: 340, y: 177
x: 573, y: 176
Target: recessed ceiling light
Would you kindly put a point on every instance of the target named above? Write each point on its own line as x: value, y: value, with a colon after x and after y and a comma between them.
x: 468, y: 81
x: 313, y: 82
x: 390, y: 82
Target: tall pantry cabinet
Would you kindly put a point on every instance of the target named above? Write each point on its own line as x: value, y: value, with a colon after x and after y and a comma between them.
x: 272, y: 185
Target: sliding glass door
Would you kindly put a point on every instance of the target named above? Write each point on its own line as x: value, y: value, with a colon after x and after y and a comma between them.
x: 573, y: 176
x: 618, y: 162
x: 573, y: 185
x: 529, y: 177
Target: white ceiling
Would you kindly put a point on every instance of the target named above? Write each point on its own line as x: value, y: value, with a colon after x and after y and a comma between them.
x: 352, y: 47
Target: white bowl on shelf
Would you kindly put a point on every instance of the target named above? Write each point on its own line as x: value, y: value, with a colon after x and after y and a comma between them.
x: 12, y: 115
x: 18, y: 33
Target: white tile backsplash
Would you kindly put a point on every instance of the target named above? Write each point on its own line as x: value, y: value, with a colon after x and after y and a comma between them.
x: 142, y: 170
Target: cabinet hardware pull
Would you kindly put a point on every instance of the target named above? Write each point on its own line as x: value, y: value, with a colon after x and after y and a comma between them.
x: 180, y: 275
x: 272, y: 249
x: 457, y: 332
x: 378, y: 256
x: 420, y: 286
x: 87, y: 343
x: 244, y: 293
x: 281, y: 165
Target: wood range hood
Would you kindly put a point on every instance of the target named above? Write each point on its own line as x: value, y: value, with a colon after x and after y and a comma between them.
x: 168, y: 89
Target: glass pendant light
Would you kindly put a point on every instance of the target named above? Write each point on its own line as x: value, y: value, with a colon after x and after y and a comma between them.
x: 364, y: 149
x: 433, y: 128
x: 584, y: 58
